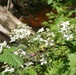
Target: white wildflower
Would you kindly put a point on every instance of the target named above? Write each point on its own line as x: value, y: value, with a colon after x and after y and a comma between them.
x: 40, y: 30
x: 2, y: 45
x: 8, y: 46
x: 16, y: 53
x: 38, y: 37
x: 35, y: 39
x: 8, y: 70
x: 68, y: 37
x: 41, y: 39
x: 28, y: 63
x: 49, y: 42
x: 22, y: 66
x: 65, y: 29
x: 13, y: 38
x: 65, y: 23
x: 1, y: 49
x: 43, y: 61
x: 20, y: 52
x: 19, y: 33
x: 23, y: 53
x: 52, y: 34
x: 64, y: 26
x: 47, y: 29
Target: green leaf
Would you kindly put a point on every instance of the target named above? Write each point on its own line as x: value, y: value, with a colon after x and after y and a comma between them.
x: 45, y: 23
x: 32, y: 72
x: 72, y: 59
x: 54, y: 27
x: 12, y: 49
x: 11, y: 59
x: 50, y: 1
x: 71, y: 12
x: 48, y: 14
x: 50, y: 21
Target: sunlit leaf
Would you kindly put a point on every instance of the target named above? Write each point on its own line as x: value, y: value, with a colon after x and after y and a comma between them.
x: 11, y: 59
x: 72, y: 59
x: 50, y: 1
x: 32, y: 72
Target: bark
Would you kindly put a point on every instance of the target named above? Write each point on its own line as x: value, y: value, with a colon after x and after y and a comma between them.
x: 8, y: 22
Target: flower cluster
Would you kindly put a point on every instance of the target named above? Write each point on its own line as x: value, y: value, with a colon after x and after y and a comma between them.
x: 21, y: 32
x: 2, y: 45
x: 20, y: 52
x: 65, y: 29
x: 45, y: 37
x: 8, y: 69
x: 28, y: 64
x: 43, y: 60
x: 40, y: 30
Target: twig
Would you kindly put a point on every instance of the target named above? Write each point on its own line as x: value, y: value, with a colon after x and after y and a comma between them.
x: 8, y: 4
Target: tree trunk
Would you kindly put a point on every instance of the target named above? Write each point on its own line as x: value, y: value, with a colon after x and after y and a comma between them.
x: 8, y: 22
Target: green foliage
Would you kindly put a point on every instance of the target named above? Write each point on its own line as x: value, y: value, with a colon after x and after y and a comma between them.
x: 72, y: 60
x: 32, y: 72
x: 56, y: 69
x: 51, y: 51
x: 10, y: 58
x: 50, y: 1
